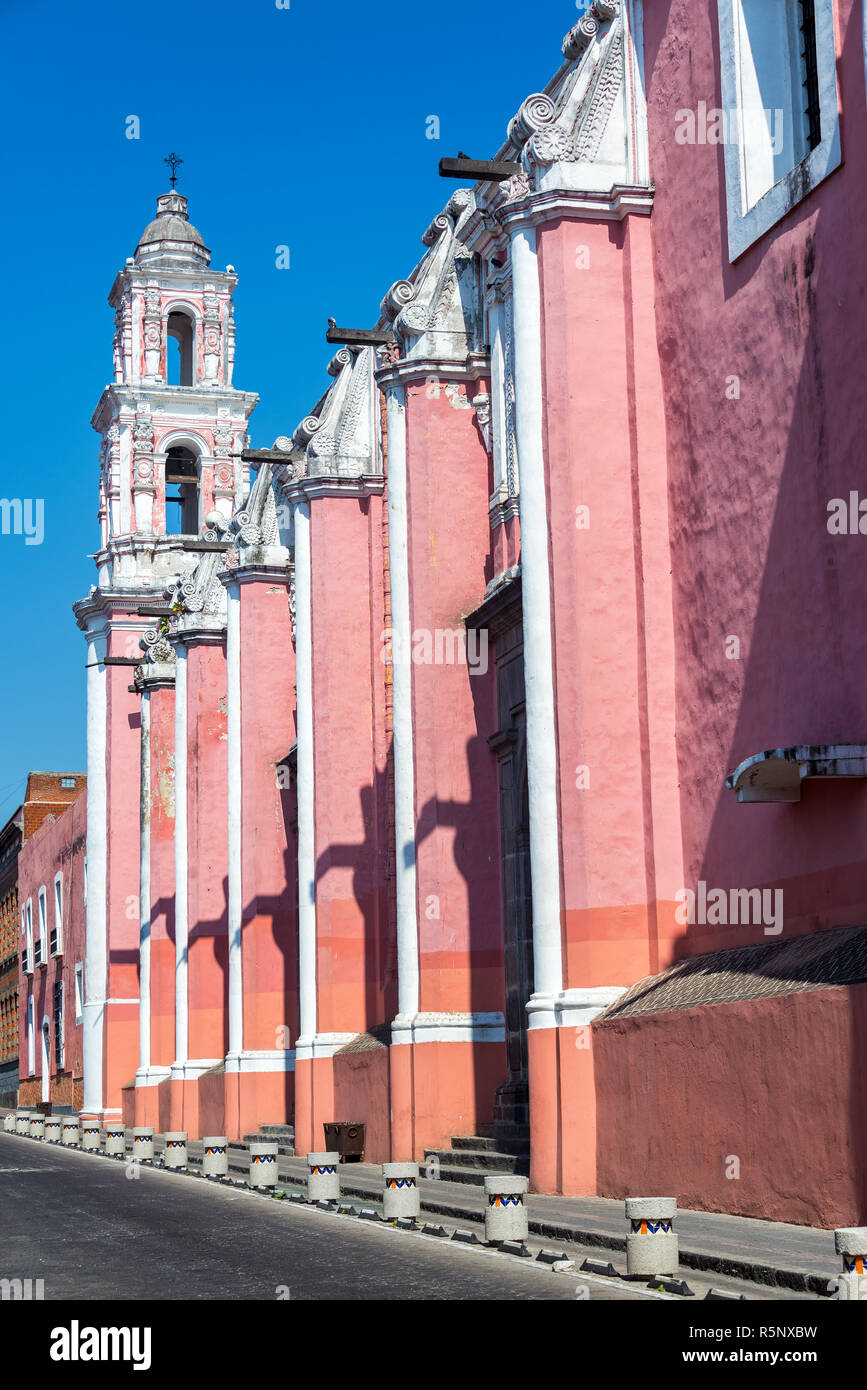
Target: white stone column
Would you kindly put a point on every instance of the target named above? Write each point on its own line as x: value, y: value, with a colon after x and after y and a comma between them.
x: 96, y: 950
x: 306, y: 824
x: 233, y: 734
x: 182, y: 1022
x: 404, y: 771
x: 144, y: 1018
x: 538, y: 646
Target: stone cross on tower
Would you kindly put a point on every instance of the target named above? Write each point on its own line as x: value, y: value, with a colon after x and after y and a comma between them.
x: 173, y: 161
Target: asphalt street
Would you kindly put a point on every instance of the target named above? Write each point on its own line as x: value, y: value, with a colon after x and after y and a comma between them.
x: 79, y: 1223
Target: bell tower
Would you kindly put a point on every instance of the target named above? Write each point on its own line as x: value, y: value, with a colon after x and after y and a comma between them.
x: 172, y: 429
x: 172, y: 424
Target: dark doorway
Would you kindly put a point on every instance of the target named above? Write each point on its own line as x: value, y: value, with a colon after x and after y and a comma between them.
x: 509, y: 745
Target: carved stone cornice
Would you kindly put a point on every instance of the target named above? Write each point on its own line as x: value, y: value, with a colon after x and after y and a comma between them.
x: 408, y: 370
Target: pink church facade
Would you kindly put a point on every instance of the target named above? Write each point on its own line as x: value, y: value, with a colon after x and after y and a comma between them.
x: 409, y: 737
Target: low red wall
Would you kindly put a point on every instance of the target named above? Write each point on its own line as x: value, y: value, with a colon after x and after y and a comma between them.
x: 361, y: 1095
x: 777, y: 1084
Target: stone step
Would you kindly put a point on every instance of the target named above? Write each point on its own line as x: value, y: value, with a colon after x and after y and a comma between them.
x: 489, y: 1144
x: 472, y: 1176
x: 287, y: 1131
x: 284, y: 1146
x: 484, y: 1160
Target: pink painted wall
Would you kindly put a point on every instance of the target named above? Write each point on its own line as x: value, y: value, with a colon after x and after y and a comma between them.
x: 361, y: 1096
x: 123, y: 742
x: 611, y: 601
x: 776, y: 1083
x: 355, y: 972
x: 162, y: 842
x: 269, y: 849
x: 750, y: 480
x: 207, y: 809
x: 454, y: 712
x: 58, y: 846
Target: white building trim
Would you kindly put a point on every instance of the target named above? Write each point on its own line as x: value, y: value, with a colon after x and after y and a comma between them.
x: 144, y: 949
x: 182, y: 927
x: 233, y: 734
x: 320, y: 1045
x: 538, y: 647
x: 404, y: 770
x: 306, y: 822
x: 263, y: 1060
x: 449, y: 1027
x: 95, y: 979
x: 572, y: 1008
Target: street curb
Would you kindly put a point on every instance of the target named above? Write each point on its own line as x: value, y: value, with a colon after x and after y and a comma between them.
x: 751, y: 1271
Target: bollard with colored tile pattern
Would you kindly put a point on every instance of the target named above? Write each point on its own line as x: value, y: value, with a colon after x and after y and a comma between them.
x: 175, y: 1151
x: 506, y: 1215
x: 215, y: 1156
x: 142, y: 1143
x: 400, y: 1191
x: 651, y: 1245
x: 263, y: 1165
x: 323, y: 1177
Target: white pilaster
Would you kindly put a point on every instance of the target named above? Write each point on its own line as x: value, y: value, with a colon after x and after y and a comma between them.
x: 306, y: 825
x: 233, y: 725
x: 95, y: 960
x: 182, y: 1023
x: 404, y: 772
x: 538, y: 647
x: 144, y: 1022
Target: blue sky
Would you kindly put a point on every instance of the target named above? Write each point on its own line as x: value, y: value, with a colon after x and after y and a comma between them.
x: 303, y: 127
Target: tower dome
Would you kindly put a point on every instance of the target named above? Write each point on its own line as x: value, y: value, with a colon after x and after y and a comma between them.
x: 171, y: 237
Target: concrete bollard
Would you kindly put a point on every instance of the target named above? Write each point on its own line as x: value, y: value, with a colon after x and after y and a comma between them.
x: 400, y: 1195
x: 22, y: 1121
x: 90, y: 1135
x: 215, y: 1158
x: 175, y: 1151
x: 115, y: 1139
x: 851, y: 1244
x: 52, y: 1129
x: 651, y: 1245
x: 323, y: 1177
x: 142, y: 1143
x: 505, y: 1214
x: 263, y: 1165
x: 9, y: 1123
x: 71, y: 1131
x: 37, y: 1126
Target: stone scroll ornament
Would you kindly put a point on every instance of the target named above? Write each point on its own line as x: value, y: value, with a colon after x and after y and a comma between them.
x: 548, y: 130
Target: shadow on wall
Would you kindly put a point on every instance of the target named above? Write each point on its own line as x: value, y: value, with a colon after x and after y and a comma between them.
x: 772, y: 652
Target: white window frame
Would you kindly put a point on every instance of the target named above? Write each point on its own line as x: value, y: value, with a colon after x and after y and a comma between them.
x: 31, y: 1039
x: 745, y: 228
x: 42, y: 912
x: 28, y: 934
x: 59, y: 1026
x: 58, y: 913
x: 79, y: 991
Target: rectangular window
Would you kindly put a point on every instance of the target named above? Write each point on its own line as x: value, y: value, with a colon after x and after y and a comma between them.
x: 31, y: 1040
x: 57, y: 930
x: 67, y: 781
x: 43, y: 920
x: 79, y: 991
x: 779, y: 91
x: 58, y: 1025
x: 26, y: 952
